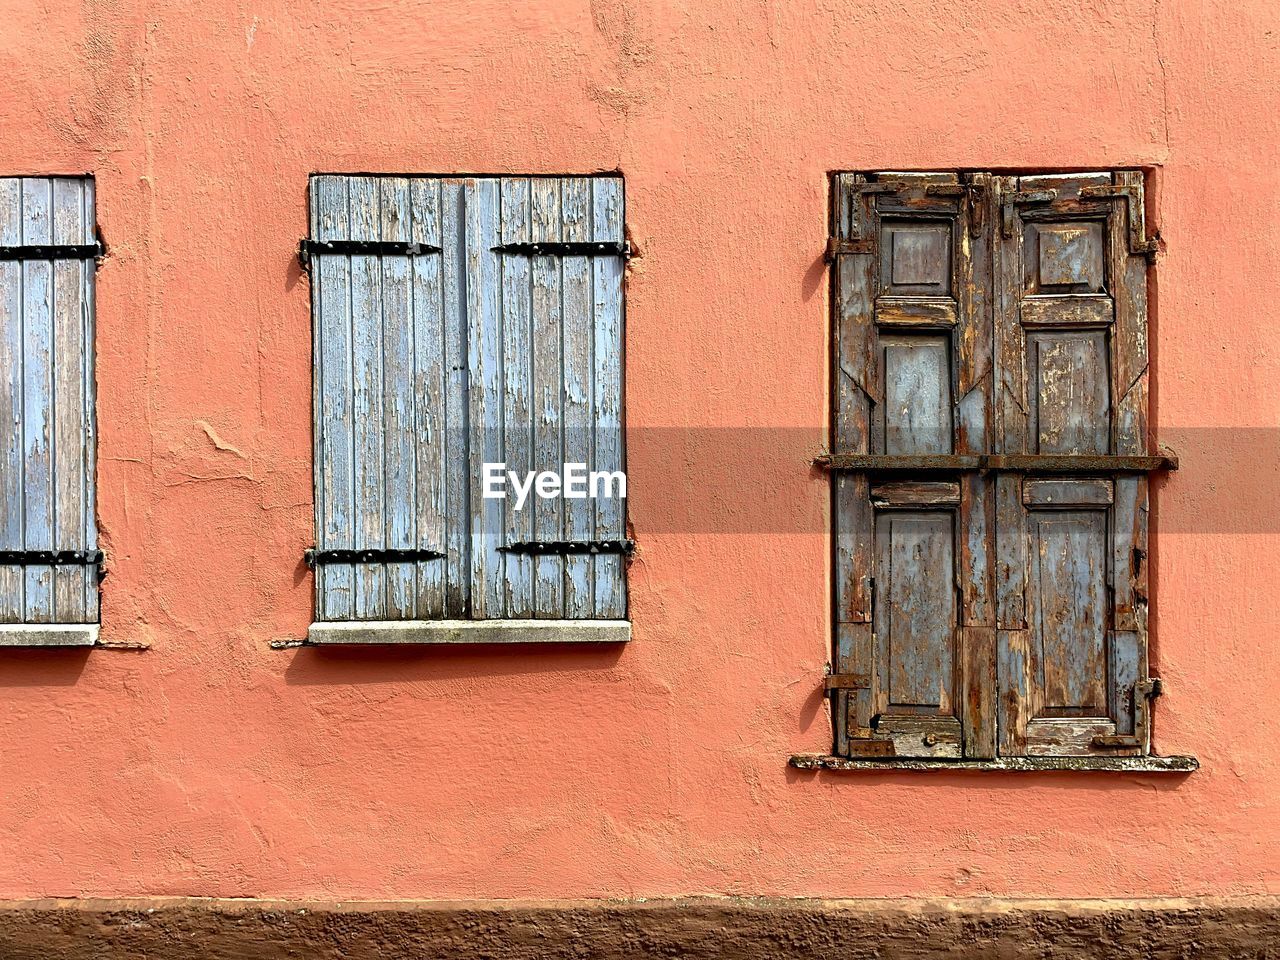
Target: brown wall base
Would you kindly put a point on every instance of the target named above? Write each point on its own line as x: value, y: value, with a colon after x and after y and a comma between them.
x: 185, y: 929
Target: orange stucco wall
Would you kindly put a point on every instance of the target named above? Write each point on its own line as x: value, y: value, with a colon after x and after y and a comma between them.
x: 211, y: 765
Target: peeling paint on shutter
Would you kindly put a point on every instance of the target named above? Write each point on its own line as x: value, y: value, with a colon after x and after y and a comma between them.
x: 47, y: 444
x: 990, y: 329
x: 433, y: 362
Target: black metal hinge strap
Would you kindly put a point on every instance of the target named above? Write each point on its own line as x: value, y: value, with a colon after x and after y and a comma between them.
x: 371, y: 555
x: 53, y: 251
x: 51, y: 558
x: 563, y: 547
x: 567, y: 248
x: 373, y: 248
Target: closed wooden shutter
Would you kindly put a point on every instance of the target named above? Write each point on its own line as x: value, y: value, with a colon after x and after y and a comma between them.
x: 1071, y: 332
x: 47, y: 444
x: 471, y: 347
x: 990, y: 446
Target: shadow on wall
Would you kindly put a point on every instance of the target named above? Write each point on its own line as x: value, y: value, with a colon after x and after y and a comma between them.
x: 387, y: 664
x: 42, y: 666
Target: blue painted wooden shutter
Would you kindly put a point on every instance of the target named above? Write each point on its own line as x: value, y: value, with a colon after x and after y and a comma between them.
x: 429, y: 365
x: 47, y: 444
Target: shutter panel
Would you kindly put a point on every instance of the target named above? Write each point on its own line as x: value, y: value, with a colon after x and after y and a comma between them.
x: 47, y: 444
x: 434, y: 361
x: 561, y: 317
x: 913, y: 378
x: 1072, y: 342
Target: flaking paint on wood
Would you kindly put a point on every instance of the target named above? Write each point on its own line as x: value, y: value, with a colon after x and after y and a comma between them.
x: 47, y: 401
x: 429, y: 366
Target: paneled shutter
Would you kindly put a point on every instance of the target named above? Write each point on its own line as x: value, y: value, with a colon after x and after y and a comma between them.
x: 913, y: 379
x: 1071, y: 333
x: 49, y: 561
x: 479, y: 322
x: 990, y: 452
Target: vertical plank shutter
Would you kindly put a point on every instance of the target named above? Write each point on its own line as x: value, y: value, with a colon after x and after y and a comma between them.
x: 913, y: 377
x: 469, y: 347
x: 1071, y: 331
x: 47, y: 445
x: 990, y: 605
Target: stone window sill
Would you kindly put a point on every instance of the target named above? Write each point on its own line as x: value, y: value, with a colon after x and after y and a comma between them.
x: 362, y: 632
x: 1178, y: 765
x: 48, y: 635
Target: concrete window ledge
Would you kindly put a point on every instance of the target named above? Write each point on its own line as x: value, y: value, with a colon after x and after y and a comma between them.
x: 468, y: 631
x: 818, y: 761
x: 48, y: 634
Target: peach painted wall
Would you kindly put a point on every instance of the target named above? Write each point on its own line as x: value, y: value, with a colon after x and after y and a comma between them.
x: 211, y: 765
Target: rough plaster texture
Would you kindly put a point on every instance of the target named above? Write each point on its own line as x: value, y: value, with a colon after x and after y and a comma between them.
x: 210, y: 764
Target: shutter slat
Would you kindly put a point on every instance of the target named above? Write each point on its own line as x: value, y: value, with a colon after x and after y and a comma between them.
x: 70, y: 413
x: 12, y: 578
x: 548, y: 390
x: 607, y: 274
x: 577, y: 337
x: 331, y: 286
x: 429, y: 398
x: 399, y: 499
x: 37, y: 404
x: 457, y: 457
x: 485, y: 395
x: 517, y: 432
x: 369, y: 392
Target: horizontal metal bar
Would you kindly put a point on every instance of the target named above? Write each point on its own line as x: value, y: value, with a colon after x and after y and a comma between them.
x: 625, y: 547
x: 879, y: 463
x: 1009, y: 463
x: 308, y: 248
x: 50, y: 558
x: 567, y: 248
x: 1039, y: 463
x: 53, y: 251
x: 371, y: 555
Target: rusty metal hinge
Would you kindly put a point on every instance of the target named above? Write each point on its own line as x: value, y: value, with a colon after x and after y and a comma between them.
x: 1021, y: 198
x: 1144, y: 691
x: 845, y: 681
x: 1139, y: 243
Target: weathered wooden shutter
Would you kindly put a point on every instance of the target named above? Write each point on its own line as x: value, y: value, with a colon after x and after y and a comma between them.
x: 990, y: 447
x: 49, y: 560
x: 458, y: 322
x: 913, y: 378
x: 1071, y: 333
